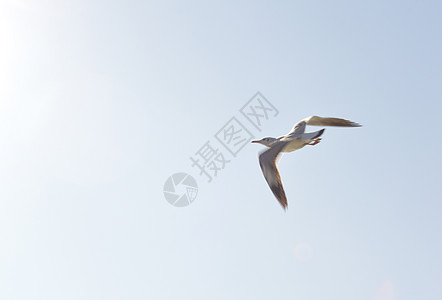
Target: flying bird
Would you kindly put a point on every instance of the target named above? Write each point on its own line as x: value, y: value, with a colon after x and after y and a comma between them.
x: 294, y: 140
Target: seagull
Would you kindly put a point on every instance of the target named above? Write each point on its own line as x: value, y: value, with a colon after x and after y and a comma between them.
x: 294, y: 140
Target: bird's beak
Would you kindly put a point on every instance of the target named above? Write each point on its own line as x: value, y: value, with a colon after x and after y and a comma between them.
x: 255, y: 141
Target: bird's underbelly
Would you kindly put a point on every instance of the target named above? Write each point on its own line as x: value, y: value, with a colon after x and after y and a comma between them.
x: 294, y: 145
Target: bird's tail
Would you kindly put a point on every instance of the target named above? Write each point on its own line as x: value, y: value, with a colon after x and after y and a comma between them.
x: 319, y: 133
x: 312, y: 135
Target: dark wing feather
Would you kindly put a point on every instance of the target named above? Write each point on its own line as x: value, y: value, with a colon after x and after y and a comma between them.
x: 267, y: 161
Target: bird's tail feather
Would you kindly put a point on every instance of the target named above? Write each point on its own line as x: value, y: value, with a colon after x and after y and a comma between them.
x: 319, y: 133
x: 312, y: 135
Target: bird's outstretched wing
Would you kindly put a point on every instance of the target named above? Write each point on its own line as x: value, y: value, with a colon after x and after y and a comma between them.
x: 299, y: 127
x: 267, y: 161
x: 319, y: 121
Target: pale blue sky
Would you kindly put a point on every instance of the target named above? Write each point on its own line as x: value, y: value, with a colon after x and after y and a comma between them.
x: 101, y: 101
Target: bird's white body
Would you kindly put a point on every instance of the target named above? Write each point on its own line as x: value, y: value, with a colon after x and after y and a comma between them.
x: 294, y: 141
x: 295, y: 144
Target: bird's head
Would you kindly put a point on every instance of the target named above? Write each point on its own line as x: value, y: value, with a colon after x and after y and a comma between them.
x: 267, y: 141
